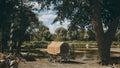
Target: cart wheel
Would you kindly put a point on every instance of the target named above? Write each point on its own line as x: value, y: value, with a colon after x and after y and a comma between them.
x: 59, y: 59
x: 50, y: 58
x: 66, y: 58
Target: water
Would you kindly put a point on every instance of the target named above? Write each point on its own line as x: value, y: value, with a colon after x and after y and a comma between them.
x: 87, y: 55
x: 91, y: 55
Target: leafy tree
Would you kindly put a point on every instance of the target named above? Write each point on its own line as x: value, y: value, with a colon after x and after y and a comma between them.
x: 75, y: 35
x: 98, y: 13
x: 23, y: 21
x: 117, y: 35
x: 6, y: 17
x: 81, y: 34
x: 104, y: 39
x: 61, y: 34
x: 15, y: 19
x: 44, y: 33
x: 47, y: 35
x: 72, y: 35
x: 40, y: 32
x: 86, y: 35
x: 91, y: 34
x: 53, y: 37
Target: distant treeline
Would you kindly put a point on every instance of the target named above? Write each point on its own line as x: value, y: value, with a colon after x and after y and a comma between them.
x: 62, y: 34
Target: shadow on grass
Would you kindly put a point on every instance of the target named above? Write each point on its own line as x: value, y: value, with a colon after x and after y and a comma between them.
x: 29, y: 58
x: 115, y: 60
x: 72, y: 62
x: 112, y: 61
x: 39, y: 54
x: 34, y: 54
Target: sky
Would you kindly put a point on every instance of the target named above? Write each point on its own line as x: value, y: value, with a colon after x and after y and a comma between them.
x: 48, y: 17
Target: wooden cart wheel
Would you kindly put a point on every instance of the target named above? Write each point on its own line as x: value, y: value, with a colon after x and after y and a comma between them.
x: 67, y: 58
x: 59, y: 59
x: 50, y: 58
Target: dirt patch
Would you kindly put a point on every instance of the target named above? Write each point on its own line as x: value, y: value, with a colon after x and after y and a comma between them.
x: 44, y: 63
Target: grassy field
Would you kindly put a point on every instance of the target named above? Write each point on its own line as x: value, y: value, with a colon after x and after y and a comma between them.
x: 76, y: 44
x: 35, y: 47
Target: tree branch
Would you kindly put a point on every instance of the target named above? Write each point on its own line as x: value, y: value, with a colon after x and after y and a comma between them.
x: 112, y: 29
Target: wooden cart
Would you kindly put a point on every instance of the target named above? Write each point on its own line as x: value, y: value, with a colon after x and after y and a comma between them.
x: 58, y: 51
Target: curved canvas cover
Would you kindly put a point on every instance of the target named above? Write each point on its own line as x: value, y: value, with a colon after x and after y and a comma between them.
x: 58, y: 48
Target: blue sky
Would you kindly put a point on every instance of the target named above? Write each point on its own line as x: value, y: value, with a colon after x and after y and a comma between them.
x: 47, y: 17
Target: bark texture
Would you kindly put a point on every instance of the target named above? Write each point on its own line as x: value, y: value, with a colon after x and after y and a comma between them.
x: 104, y: 39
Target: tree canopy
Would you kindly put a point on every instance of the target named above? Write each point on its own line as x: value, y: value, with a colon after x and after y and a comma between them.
x: 16, y: 17
x: 97, y: 14
x: 79, y: 12
x: 61, y: 34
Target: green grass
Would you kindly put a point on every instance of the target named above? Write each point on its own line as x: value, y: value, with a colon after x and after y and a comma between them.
x: 76, y: 44
x: 34, y: 47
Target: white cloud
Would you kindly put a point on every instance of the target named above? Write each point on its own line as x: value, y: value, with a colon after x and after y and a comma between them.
x: 53, y: 27
x: 47, y: 17
x: 34, y: 4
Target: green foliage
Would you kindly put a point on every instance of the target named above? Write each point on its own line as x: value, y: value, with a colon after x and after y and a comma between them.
x: 42, y: 33
x: 79, y: 12
x: 18, y: 13
x: 36, y: 44
x: 40, y: 44
x: 117, y: 36
x: 61, y: 34
x: 91, y: 34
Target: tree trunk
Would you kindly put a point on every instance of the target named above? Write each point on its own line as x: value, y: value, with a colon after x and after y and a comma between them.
x: 98, y: 28
x: 19, y: 47
x: 104, y: 40
x: 3, y: 42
